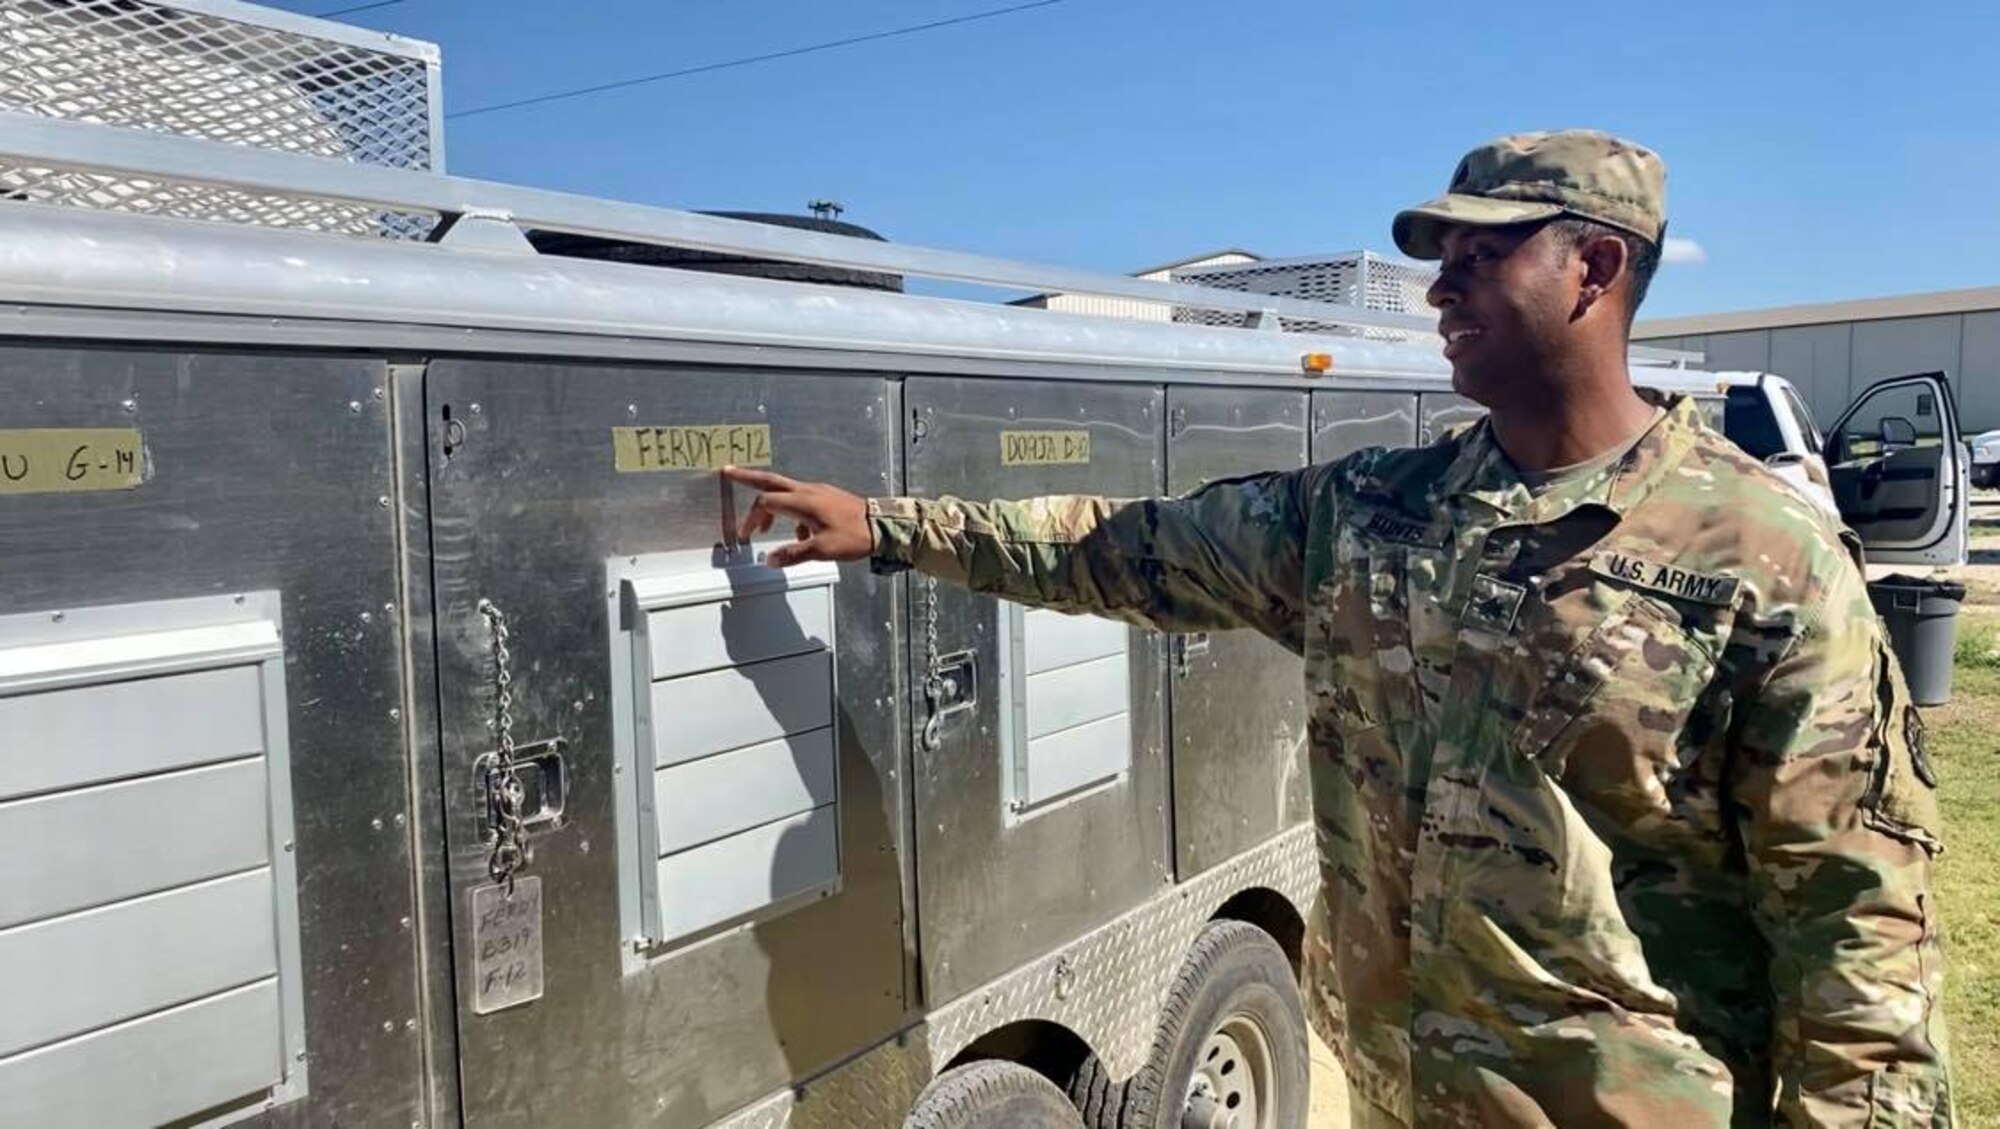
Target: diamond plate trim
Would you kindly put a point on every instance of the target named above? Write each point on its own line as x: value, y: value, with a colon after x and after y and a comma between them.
x: 1119, y: 975
x: 1107, y: 987
x: 144, y: 65
x: 876, y: 1089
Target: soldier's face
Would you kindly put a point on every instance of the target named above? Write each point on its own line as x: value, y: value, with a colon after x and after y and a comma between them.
x: 1504, y: 299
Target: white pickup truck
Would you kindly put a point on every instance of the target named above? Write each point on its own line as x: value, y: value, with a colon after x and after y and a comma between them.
x: 1985, y: 448
x: 1893, y: 466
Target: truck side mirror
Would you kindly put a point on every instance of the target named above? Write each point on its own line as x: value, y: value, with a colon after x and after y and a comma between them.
x: 1897, y: 432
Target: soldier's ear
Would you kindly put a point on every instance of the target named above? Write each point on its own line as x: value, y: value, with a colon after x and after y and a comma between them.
x: 1605, y: 260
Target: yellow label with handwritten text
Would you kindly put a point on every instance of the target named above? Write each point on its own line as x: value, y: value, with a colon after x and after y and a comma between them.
x: 710, y: 447
x: 70, y: 460
x: 1044, y: 448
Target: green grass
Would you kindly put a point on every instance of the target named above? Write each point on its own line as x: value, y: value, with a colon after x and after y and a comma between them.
x: 1964, y: 738
x: 1977, y: 646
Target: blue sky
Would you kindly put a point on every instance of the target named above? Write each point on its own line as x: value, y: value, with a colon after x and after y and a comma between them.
x: 1816, y: 152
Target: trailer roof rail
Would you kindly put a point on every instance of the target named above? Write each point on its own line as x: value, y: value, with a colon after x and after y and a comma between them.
x: 37, y: 140
x: 26, y: 138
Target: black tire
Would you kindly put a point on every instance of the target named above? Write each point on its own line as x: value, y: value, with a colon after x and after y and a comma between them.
x: 1237, y: 977
x: 685, y: 258
x: 992, y: 1095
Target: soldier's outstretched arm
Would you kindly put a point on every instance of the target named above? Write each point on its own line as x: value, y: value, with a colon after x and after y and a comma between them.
x: 1229, y: 555
x: 1838, y: 814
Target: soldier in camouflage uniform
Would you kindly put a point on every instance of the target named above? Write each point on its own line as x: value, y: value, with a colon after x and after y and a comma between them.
x: 1622, y: 805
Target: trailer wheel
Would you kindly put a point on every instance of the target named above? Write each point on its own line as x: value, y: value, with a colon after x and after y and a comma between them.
x: 1231, y: 1051
x: 992, y: 1095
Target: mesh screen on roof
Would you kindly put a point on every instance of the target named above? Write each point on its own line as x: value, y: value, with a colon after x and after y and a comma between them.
x: 144, y: 65
x: 1361, y: 279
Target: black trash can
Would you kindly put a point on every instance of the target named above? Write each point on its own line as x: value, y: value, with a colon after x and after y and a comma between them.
x: 1922, y: 618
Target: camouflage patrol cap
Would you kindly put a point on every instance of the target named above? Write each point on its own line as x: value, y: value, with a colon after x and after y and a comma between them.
x: 1536, y: 176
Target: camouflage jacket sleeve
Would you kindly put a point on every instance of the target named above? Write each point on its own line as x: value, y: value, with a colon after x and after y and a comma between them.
x: 1837, y: 810
x: 1229, y: 555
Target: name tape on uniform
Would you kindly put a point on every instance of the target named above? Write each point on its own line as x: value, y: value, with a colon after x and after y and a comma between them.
x: 1686, y: 584
x: 1044, y: 448
x: 1401, y: 530
x: 703, y: 447
x: 71, y: 460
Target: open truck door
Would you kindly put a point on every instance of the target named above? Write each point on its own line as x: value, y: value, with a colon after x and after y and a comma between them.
x: 1899, y: 474
x: 1767, y: 418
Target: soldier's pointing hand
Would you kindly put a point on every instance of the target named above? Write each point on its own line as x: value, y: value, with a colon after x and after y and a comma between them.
x: 830, y: 524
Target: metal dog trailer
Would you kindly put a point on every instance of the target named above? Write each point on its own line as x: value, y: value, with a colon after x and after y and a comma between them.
x: 393, y: 733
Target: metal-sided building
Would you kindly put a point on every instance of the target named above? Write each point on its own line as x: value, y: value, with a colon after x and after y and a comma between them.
x: 1833, y: 350
x: 1114, y: 307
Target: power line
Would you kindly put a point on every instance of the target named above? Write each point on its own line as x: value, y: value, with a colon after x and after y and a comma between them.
x: 358, y: 8
x: 746, y: 61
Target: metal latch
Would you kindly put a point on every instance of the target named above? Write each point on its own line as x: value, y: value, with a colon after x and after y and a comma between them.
x: 951, y: 689
x: 544, y: 784
x: 1189, y: 647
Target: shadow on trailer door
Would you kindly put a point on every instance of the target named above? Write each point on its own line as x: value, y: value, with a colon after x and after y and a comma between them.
x: 798, y: 856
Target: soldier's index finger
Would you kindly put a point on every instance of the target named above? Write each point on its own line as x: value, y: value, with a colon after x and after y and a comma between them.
x: 762, y: 480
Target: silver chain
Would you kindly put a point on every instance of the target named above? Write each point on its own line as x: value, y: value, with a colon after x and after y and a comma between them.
x: 930, y: 625
x: 507, y: 849
x: 934, y: 688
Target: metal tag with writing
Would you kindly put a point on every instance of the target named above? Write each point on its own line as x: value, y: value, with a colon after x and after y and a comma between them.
x: 71, y: 460
x: 707, y: 447
x: 1044, y: 448
x: 506, y: 945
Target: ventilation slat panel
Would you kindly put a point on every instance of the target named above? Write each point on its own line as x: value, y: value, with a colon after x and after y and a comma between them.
x: 1074, y: 695
x: 1078, y: 758
x: 108, y: 965
x: 1055, y: 640
x: 723, y: 795
x: 739, y: 631
x: 85, y: 735
x: 704, y: 714
x: 739, y: 875
x: 152, y: 1070
x: 94, y: 846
